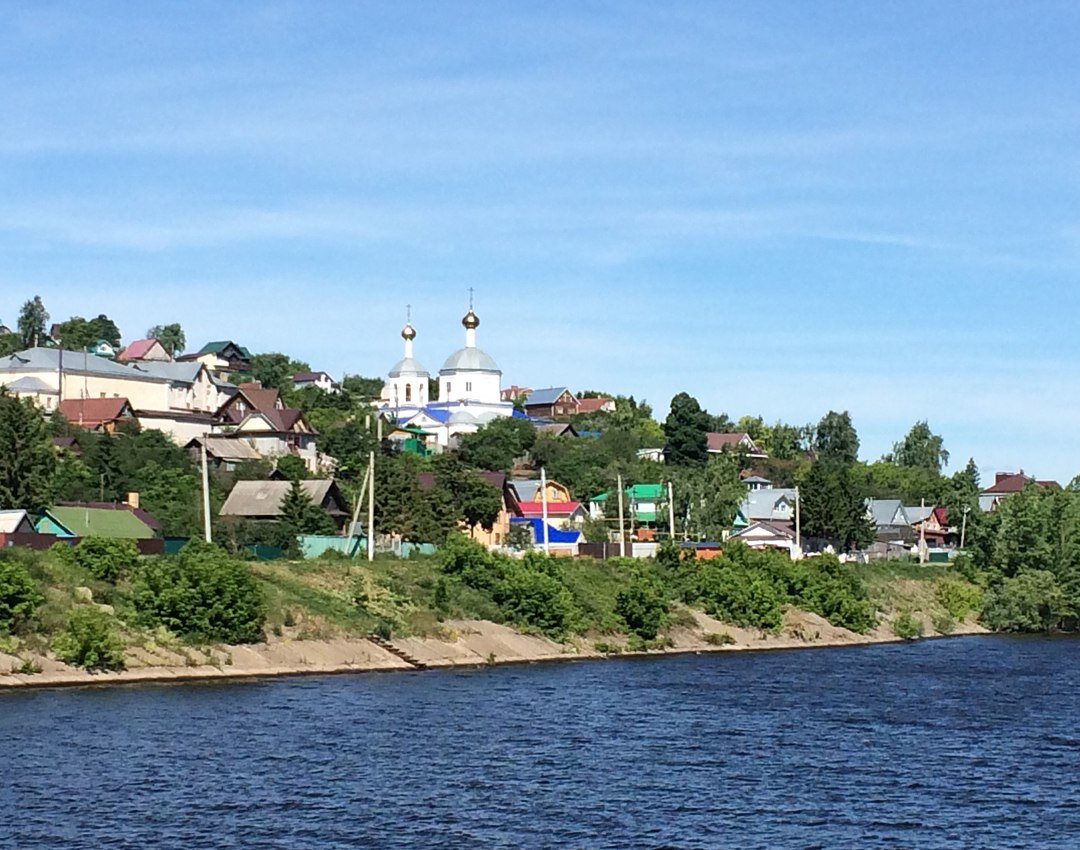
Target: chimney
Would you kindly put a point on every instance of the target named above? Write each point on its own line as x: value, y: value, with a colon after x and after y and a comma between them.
x: 133, y: 500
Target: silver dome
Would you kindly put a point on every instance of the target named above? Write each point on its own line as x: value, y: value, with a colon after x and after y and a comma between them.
x: 470, y: 360
x: 409, y: 366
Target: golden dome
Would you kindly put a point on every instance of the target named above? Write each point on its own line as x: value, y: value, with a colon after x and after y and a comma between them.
x: 408, y: 332
x: 471, y: 320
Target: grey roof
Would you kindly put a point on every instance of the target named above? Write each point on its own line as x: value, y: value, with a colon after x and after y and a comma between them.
x: 883, y: 512
x: 917, y: 513
x: 263, y: 498
x: 11, y: 520
x: 29, y: 385
x: 409, y: 366
x: 761, y: 504
x: 77, y: 362
x: 223, y: 448
x: 756, y: 479
x: 528, y: 489
x: 186, y: 372
x: 470, y: 359
x: 548, y: 395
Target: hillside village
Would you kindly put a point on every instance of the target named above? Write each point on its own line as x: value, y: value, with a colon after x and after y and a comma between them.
x: 288, y: 451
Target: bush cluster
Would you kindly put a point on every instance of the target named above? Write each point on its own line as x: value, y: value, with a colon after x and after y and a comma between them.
x: 90, y: 640
x: 106, y: 559
x: 19, y: 596
x: 201, y: 594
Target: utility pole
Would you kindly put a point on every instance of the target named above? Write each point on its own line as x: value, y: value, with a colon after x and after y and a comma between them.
x: 922, y: 533
x: 671, y: 509
x: 543, y: 509
x: 963, y: 526
x: 622, y: 526
x: 206, y: 494
x: 798, y: 524
x: 371, y: 508
x: 356, y: 513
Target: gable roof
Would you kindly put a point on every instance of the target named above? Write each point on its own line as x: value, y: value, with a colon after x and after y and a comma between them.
x: 593, y: 405
x: 883, y: 512
x: 716, y: 441
x: 764, y: 529
x: 225, y: 449
x: 95, y: 412
x: 102, y: 520
x: 304, y: 377
x: 761, y: 504
x: 557, y: 509
x: 139, y: 349
x: 15, y: 522
x: 219, y: 346
x: 264, y: 498
x: 548, y: 395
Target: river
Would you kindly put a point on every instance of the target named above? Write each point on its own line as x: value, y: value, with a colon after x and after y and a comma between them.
x: 967, y: 742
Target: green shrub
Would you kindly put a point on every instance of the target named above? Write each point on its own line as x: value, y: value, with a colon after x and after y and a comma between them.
x: 1032, y: 601
x: 944, y: 624
x: 536, y: 600
x: 608, y: 648
x: 106, y: 559
x: 202, y: 594
x: 19, y: 596
x: 642, y: 605
x: 737, y: 595
x: 825, y: 586
x: 470, y: 562
x: 957, y: 597
x: 719, y: 639
x: 906, y: 626
x: 90, y: 641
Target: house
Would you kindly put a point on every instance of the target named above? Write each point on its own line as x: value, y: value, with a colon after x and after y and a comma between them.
x: 756, y: 482
x: 177, y: 398
x: 551, y: 403
x: 642, y: 505
x: 261, y: 501
x: 561, y: 508
x: 1007, y: 483
x: 221, y: 452
x: 102, y: 348
x: 145, y: 349
x: 98, y: 414
x: 559, y: 541
x: 767, y: 535
x: 717, y: 442
x: 514, y: 392
x: 412, y: 440
x: 4, y: 329
x: 15, y: 522
x: 258, y: 416
x: 319, y: 380
x: 930, y: 523
x: 98, y: 519
x: 596, y: 405
x: 509, y: 509
x: 891, y: 522
x: 656, y: 455
x: 223, y: 358
x: 557, y: 429
x: 774, y: 505
x: 528, y: 490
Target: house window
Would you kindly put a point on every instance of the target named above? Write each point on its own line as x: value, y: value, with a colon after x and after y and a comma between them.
x: 448, y: 388
x: 468, y: 386
x: 408, y: 392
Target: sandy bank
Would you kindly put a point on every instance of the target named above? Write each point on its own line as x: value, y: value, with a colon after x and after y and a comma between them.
x: 464, y: 643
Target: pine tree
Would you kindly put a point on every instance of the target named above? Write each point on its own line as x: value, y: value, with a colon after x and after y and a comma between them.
x: 27, y: 462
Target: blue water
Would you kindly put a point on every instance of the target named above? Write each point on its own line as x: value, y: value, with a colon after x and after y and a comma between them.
x: 963, y: 743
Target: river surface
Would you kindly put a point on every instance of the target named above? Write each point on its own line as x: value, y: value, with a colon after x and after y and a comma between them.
x: 960, y: 743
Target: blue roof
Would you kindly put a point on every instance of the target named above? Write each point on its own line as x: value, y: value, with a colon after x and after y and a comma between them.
x: 555, y: 535
x: 549, y: 395
x: 439, y: 414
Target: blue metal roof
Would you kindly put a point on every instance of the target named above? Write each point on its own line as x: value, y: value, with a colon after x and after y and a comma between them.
x: 555, y: 535
x: 548, y: 395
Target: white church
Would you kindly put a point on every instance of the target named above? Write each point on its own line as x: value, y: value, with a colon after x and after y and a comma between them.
x: 470, y: 385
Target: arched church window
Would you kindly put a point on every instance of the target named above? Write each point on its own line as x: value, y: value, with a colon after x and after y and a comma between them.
x: 408, y: 392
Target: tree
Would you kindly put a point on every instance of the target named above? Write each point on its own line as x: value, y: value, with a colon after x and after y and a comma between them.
x: 32, y: 321
x: 9, y: 344
x: 75, y: 334
x: 707, y: 497
x: 19, y: 596
x: 364, y: 389
x: 643, y: 605
x: 170, y: 336
x: 496, y: 445
x: 27, y: 461
x: 835, y: 438
x: 477, y: 500
x: 921, y: 449
x: 104, y: 328
x: 301, y: 514
x: 832, y: 506
x: 275, y: 370
x: 685, y: 431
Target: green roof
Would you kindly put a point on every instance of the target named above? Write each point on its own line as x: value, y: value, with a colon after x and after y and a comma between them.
x: 101, y: 522
x: 638, y: 492
x: 220, y: 345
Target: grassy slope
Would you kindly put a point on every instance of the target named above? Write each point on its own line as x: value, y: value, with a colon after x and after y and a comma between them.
x: 318, y: 599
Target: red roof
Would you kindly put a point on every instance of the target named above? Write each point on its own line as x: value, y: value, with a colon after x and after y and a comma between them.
x: 137, y: 350
x: 717, y: 441
x: 1014, y: 482
x: 553, y: 508
x: 592, y: 405
x: 94, y: 412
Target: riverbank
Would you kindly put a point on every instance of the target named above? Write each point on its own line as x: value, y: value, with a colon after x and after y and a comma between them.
x: 461, y: 643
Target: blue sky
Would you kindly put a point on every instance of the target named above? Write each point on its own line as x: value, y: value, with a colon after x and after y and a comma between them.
x: 780, y: 208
